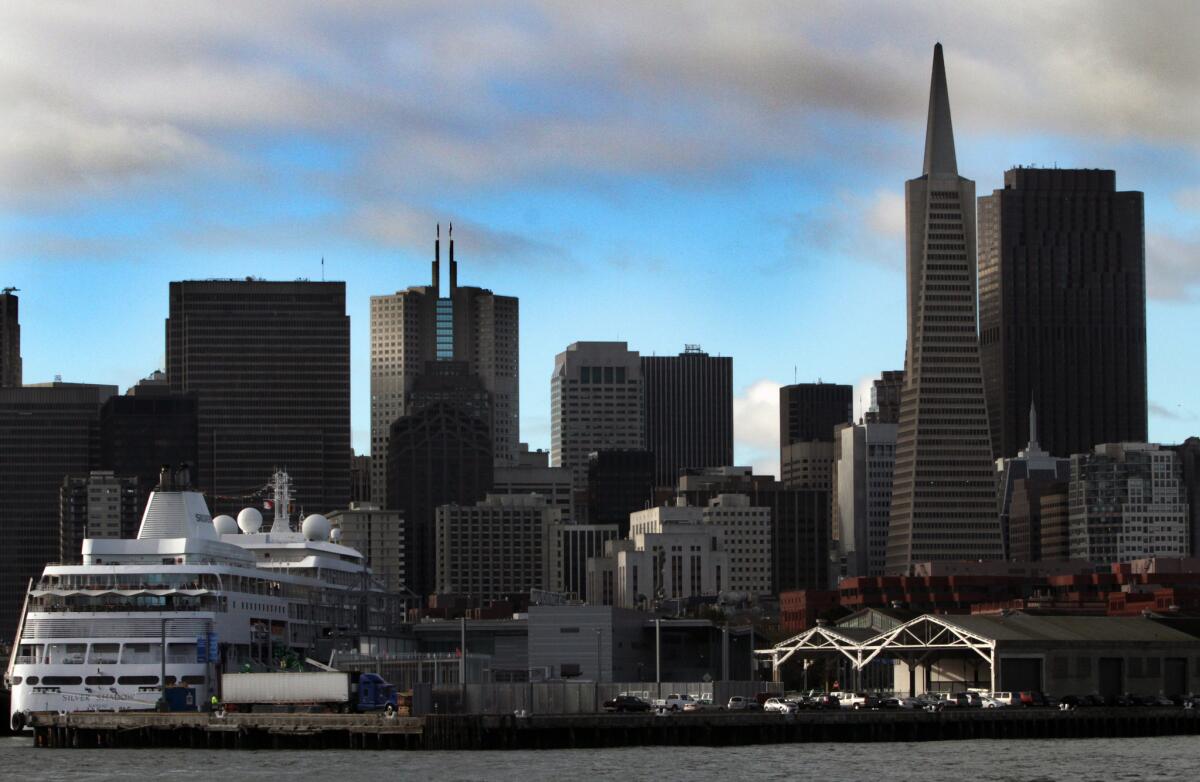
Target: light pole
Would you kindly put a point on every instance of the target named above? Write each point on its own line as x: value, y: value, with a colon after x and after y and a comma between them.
x: 596, y: 687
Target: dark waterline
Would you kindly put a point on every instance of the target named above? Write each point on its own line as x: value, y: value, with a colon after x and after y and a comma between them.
x: 1168, y: 758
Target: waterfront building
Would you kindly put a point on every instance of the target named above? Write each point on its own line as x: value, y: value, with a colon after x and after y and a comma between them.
x: 1127, y: 502
x: 1062, y: 309
x: 619, y: 482
x: 494, y: 547
x: 943, y: 490
x: 98, y: 504
x: 412, y: 328
x: 1021, y: 480
x: 568, y: 549
x: 863, y: 496
x: 378, y: 535
x: 532, y: 474
x: 47, y: 432
x: 800, y: 525
x: 270, y: 365
x: 147, y: 427
x: 596, y: 404
x: 689, y: 412
x: 10, y: 339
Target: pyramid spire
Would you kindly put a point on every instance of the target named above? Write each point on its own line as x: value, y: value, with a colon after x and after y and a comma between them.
x: 1033, y: 441
x: 939, y: 133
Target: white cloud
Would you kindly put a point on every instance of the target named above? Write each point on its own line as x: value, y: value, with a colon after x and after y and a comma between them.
x: 1172, y: 266
x: 862, y: 395
x: 756, y: 426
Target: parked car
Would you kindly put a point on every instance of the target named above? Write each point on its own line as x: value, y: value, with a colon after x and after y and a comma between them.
x: 851, y: 700
x: 969, y: 699
x: 737, y: 703
x: 674, y: 702
x: 700, y: 704
x: 826, y: 701
x: 779, y: 705
x: 1033, y: 698
x: 909, y: 702
x: 889, y: 703
x: 627, y: 703
x: 1001, y: 699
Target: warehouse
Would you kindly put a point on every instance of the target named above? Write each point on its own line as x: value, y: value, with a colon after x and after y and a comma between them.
x: 1056, y: 654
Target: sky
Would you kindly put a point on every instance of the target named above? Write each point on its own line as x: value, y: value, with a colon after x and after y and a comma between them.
x: 721, y: 174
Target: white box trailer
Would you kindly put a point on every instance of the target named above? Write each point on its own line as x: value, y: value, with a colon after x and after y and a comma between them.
x: 286, y: 688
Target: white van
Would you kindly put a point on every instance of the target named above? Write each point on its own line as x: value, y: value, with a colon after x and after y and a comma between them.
x: 1001, y: 699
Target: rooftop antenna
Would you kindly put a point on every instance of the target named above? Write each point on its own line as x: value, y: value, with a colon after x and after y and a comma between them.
x: 437, y: 259
x: 453, y: 263
x: 322, y: 268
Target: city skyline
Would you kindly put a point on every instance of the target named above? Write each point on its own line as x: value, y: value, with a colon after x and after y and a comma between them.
x: 728, y: 197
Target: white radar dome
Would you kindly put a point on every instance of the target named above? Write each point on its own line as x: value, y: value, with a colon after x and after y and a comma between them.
x: 250, y: 520
x: 336, y: 534
x: 225, y: 525
x: 315, y: 527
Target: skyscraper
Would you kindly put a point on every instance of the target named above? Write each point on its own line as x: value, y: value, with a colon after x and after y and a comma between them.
x: 943, y: 490
x: 10, y: 340
x: 47, y: 432
x: 885, y: 398
x: 437, y: 455
x: 808, y: 412
x: 863, y: 497
x: 411, y: 328
x: 270, y: 364
x: 1062, y: 309
x: 1021, y: 482
x: 146, y: 428
x: 689, y: 412
x: 596, y: 404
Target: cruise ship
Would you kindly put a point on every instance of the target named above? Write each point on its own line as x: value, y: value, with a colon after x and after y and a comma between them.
x: 190, y: 597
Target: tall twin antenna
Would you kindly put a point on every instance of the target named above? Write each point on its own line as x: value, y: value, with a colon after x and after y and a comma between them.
x: 437, y: 260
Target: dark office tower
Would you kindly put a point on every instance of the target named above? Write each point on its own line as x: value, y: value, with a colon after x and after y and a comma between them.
x: 1062, y: 309
x: 885, y: 398
x: 270, y: 364
x: 439, y: 455
x: 808, y: 412
x: 689, y: 412
x: 619, y: 483
x: 147, y: 428
x: 360, y: 479
x: 10, y: 340
x: 799, y: 521
x: 943, y: 490
x: 428, y: 323
x: 47, y: 432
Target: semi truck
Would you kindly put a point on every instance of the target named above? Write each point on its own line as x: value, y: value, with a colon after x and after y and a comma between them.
x: 329, y: 691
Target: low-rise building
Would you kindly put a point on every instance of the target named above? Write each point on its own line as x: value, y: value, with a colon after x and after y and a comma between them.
x: 568, y: 549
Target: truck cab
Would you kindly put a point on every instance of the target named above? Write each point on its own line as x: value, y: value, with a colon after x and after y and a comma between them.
x: 373, y: 693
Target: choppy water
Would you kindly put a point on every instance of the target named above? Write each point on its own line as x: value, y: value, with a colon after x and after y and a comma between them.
x: 946, y: 761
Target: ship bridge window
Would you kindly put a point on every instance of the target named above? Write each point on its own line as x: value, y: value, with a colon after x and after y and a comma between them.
x: 16, y: 680
x: 65, y: 654
x: 32, y: 680
x: 29, y: 653
x: 104, y: 654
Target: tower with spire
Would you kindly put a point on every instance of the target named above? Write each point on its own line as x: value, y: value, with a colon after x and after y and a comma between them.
x: 943, y: 490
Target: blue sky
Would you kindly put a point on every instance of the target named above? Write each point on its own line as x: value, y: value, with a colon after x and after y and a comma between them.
x: 656, y: 173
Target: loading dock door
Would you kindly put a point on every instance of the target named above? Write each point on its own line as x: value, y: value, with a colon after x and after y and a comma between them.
x: 1018, y: 674
x: 1175, y: 676
x: 1112, y: 678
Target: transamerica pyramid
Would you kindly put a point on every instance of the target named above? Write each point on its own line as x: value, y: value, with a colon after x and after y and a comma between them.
x: 943, y: 489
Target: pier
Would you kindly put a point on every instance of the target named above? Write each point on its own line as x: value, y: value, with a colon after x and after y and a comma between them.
x: 497, y: 732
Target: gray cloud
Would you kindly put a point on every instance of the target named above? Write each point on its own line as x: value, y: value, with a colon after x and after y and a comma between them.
x: 439, y: 94
x: 1178, y: 414
x: 1172, y: 266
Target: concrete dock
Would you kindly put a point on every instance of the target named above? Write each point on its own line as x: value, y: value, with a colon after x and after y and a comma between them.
x: 465, y: 731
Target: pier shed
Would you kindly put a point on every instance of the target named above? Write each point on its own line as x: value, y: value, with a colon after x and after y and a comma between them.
x: 1015, y: 652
